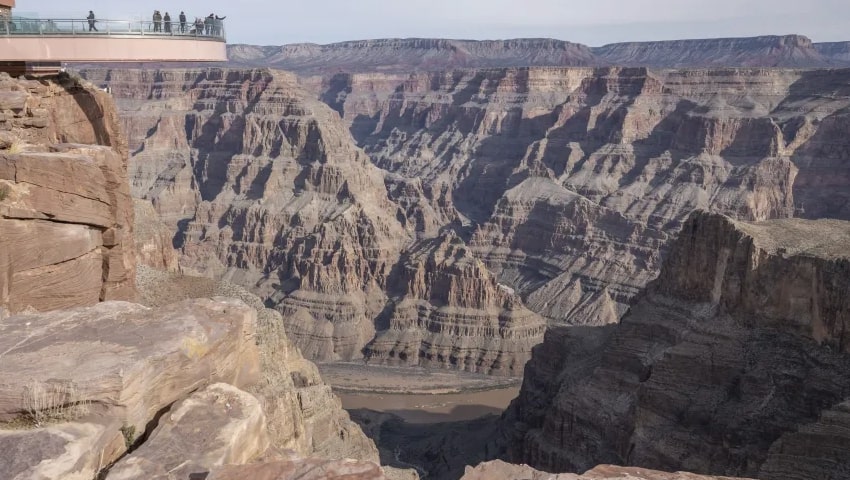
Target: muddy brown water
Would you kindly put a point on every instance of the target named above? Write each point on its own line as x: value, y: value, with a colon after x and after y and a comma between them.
x: 433, y: 408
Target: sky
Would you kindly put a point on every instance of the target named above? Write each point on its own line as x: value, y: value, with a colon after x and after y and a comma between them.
x: 594, y: 23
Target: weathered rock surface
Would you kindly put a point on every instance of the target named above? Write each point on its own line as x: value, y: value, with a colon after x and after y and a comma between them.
x: 66, y: 218
x: 498, y: 470
x: 123, y: 357
x: 91, y: 379
x: 732, y: 362
x: 219, y: 425
x: 302, y: 413
x: 301, y: 469
x: 73, y: 451
x: 451, y: 311
x: 154, y: 240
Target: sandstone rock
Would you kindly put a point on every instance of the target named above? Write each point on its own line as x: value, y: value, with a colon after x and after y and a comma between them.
x: 217, y: 426
x: 730, y: 370
x: 301, y: 469
x: 302, y: 413
x: 73, y: 451
x: 65, y: 206
x: 154, y: 242
x: 123, y: 360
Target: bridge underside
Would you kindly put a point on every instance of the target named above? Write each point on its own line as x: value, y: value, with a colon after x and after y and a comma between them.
x: 36, y: 54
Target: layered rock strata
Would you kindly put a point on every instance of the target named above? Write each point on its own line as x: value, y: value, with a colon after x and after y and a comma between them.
x: 732, y: 362
x: 572, y: 181
x: 264, y: 187
x: 451, y: 311
x: 66, y: 217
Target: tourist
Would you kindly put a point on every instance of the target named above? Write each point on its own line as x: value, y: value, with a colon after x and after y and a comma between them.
x: 167, y: 20
x: 182, y: 22
x: 218, y: 25
x: 157, y: 21
x: 208, y: 24
x: 199, y: 26
x: 91, y: 20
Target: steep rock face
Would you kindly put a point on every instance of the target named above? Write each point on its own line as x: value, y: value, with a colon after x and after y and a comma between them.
x: 265, y: 188
x: 397, y: 55
x: 66, y: 218
x: 451, y: 311
x: 573, y: 181
x: 792, y: 51
x: 731, y: 362
x: 154, y: 240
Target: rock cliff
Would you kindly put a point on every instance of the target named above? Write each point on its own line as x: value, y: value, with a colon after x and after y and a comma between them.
x: 739, y: 369
x: 450, y: 311
x: 568, y: 183
x: 573, y: 181
x: 66, y: 216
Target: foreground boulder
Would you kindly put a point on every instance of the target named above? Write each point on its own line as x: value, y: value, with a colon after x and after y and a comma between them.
x: 218, y: 425
x: 112, y: 367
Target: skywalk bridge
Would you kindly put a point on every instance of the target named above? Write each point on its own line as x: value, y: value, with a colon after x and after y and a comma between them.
x: 29, y: 45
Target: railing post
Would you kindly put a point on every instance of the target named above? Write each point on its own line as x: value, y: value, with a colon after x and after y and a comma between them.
x: 73, y: 28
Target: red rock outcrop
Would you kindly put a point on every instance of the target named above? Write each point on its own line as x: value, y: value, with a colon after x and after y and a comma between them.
x: 66, y: 217
x: 733, y: 362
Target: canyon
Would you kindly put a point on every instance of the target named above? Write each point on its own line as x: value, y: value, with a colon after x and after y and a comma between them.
x: 448, y: 218
x: 662, y: 254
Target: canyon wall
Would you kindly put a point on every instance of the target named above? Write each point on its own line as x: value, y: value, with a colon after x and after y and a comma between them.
x: 66, y: 216
x: 263, y: 186
x: 570, y: 182
x: 733, y: 362
x: 567, y: 183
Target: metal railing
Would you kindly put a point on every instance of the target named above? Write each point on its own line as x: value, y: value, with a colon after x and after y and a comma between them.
x: 209, y: 29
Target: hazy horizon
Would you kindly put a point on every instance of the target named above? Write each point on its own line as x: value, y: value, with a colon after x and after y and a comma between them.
x: 604, y: 22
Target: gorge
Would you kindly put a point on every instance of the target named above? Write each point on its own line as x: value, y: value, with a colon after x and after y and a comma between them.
x: 660, y: 255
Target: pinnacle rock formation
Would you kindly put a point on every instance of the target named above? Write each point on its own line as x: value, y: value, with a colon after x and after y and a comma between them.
x: 732, y: 362
x: 66, y: 216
